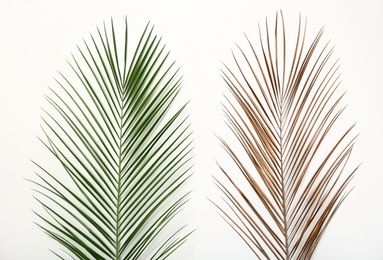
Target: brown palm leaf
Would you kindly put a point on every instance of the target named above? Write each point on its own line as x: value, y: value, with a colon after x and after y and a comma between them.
x: 290, y: 174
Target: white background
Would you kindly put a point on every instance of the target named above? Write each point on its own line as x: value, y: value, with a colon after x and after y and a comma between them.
x: 36, y: 38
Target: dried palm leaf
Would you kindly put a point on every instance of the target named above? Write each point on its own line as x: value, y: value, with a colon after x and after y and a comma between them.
x: 290, y: 174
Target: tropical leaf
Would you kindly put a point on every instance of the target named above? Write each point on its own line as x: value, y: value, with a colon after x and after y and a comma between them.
x: 124, y: 153
x: 289, y: 175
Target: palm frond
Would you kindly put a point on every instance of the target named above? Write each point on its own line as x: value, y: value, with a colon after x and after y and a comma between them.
x: 289, y: 175
x: 124, y: 151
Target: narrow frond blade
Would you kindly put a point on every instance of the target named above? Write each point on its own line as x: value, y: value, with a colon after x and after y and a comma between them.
x: 123, y: 152
x: 289, y: 152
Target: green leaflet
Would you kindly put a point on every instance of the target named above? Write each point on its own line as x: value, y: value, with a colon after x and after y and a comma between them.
x: 125, y: 153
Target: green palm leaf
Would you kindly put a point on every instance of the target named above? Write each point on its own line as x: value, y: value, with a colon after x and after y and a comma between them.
x: 124, y: 152
x: 290, y: 174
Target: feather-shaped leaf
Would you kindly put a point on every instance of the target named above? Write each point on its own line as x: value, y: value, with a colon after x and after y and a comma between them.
x: 284, y: 110
x: 124, y: 152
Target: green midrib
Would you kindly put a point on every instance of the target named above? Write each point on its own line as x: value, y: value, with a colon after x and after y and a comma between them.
x: 117, y: 239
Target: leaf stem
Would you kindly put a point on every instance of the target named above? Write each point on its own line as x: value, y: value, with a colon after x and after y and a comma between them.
x: 117, y: 240
x: 118, y: 204
x: 284, y: 210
